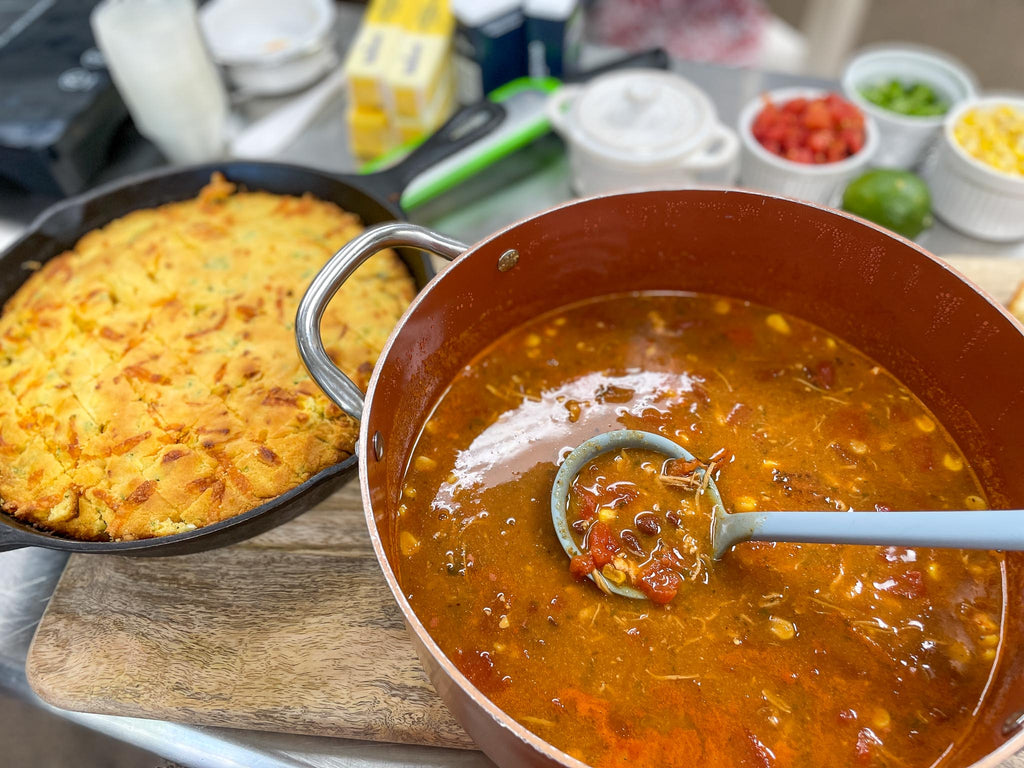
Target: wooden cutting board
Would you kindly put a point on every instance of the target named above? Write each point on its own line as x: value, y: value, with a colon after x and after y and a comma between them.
x: 293, y: 631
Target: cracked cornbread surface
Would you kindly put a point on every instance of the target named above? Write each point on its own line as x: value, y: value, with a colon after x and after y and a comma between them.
x: 149, y: 380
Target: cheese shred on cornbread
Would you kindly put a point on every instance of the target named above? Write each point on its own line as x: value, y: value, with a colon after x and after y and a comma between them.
x: 149, y: 381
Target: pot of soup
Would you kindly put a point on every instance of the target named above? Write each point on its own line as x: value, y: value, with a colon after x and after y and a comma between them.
x: 807, y: 360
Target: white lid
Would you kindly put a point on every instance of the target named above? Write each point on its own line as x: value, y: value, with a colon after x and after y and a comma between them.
x: 642, y: 116
x: 553, y: 10
x: 475, y: 13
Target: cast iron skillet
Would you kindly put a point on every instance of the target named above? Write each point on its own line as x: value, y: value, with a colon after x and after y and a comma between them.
x: 374, y: 198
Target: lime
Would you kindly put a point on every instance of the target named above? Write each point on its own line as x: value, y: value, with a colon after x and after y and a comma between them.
x: 898, y: 200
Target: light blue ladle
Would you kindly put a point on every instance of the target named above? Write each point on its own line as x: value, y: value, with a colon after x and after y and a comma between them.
x: 983, y: 529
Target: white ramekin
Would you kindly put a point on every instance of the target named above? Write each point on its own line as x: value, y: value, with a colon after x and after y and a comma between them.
x: 970, y: 195
x: 818, y: 183
x: 642, y: 129
x: 904, y: 139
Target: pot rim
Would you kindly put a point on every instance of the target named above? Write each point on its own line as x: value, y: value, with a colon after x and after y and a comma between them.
x: 364, y: 452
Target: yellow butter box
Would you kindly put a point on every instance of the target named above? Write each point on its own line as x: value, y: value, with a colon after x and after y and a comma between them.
x: 372, y: 52
x: 423, y: 58
x: 370, y: 132
x: 430, y: 119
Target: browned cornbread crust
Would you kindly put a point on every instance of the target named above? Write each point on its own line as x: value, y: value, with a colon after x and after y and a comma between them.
x: 149, y: 381
x: 1016, y: 304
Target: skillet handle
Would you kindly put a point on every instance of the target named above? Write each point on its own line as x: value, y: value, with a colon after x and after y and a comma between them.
x: 462, y: 129
x: 335, y: 384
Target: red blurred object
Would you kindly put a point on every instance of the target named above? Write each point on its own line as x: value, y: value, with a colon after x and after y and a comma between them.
x: 722, y: 31
x: 822, y: 130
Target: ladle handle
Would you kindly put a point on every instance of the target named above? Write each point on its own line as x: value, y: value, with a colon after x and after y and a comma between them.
x: 335, y: 384
x: 983, y: 529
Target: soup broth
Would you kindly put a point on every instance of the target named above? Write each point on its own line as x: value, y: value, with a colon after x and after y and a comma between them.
x: 777, y: 655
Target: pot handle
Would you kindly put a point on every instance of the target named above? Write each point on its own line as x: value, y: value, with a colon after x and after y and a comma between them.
x: 558, y: 105
x: 335, y: 384
x: 721, y: 150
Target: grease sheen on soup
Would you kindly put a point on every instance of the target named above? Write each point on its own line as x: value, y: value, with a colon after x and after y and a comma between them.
x: 778, y: 655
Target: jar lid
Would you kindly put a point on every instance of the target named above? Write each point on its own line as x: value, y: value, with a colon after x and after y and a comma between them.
x: 643, y: 116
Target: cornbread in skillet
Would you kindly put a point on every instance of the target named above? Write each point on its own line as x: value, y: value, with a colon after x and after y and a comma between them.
x: 1016, y: 304
x: 149, y: 380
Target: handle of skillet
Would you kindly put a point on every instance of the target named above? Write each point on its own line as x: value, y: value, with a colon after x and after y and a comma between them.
x: 335, y: 384
x: 461, y: 130
x: 652, y: 58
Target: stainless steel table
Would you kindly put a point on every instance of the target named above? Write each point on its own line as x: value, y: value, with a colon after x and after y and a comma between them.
x: 529, y: 181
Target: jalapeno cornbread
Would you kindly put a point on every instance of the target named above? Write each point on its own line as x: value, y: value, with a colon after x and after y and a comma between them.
x: 149, y: 381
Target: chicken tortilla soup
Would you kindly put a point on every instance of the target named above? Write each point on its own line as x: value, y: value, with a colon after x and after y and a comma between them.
x: 776, y: 655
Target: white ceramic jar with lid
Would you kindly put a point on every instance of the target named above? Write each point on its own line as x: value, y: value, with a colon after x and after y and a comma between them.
x: 642, y: 129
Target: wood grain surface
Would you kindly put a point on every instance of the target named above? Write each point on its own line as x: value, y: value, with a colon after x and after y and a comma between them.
x: 293, y: 631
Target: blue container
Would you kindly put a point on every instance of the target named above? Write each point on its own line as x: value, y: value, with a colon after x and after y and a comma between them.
x: 554, y: 33
x: 490, y: 45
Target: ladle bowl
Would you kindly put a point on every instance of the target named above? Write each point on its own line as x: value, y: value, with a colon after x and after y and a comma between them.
x: 591, y: 449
